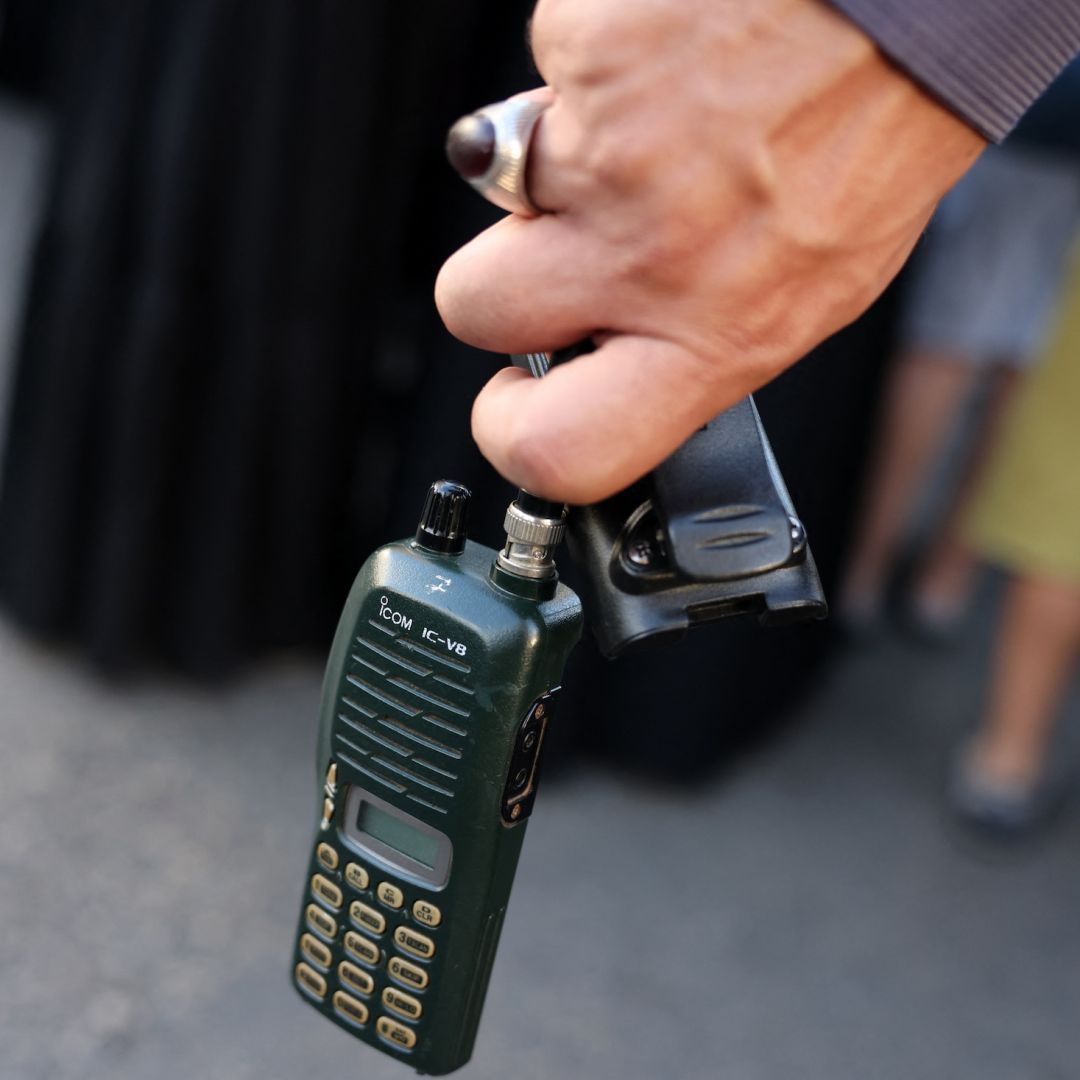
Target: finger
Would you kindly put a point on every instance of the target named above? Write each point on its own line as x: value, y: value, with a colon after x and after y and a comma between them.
x: 593, y: 426
x: 524, y: 285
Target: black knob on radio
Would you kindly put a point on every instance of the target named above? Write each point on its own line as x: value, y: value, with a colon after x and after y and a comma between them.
x: 444, y: 523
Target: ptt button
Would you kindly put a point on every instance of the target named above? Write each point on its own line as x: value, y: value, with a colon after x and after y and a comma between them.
x: 315, y: 951
x: 310, y: 980
x: 355, y: 979
x: 396, y: 1033
x: 390, y: 895
x: 414, y: 943
x: 401, y: 1003
x: 346, y: 1005
x: 327, y: 856
x: 359, y: 948
x: 426, y: 913
x: 320, y: 922
x: 324, y: 889
x: 356, y: 875
x: 367, y: 917
x: 410, y: 974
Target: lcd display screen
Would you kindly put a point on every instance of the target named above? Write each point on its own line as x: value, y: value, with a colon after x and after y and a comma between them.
x: 388, y: 829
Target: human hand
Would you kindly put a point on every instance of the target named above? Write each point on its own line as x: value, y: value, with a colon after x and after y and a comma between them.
x: 726, y: 184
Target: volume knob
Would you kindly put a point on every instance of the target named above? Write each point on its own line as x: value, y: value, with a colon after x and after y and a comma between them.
x: 444, y: 522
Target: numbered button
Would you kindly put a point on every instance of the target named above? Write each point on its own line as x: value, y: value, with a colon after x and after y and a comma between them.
x: 407, y: 973
x: 355, y: 979
x: 414, y: 943
x: 367, y: 918
x: 346, y: 1005
x: 390, y: 895
x: 356, y: 876
x: 327, y: 856
x: 325, y: 890
x: 426, y: 913
x: 320, y: 922
x: 307, y: 978
x: 315, y: 951
x: 401, y: 1003
x: 359, y: 948
x: 396, y: 1033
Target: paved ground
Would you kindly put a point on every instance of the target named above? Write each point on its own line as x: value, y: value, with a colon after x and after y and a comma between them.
x: 814, y: 918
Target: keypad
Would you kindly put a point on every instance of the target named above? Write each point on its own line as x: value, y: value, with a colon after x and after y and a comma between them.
x: 367, y: 918
x: 416, y: 944
x: 311, y: 980
x: 426, y: 913
x: 357, y: 876
x: 403, y: 1004
x: 355, y: 978
x: 322, y: 888
x: 397, y: 1033
x: 358, y: 947
x: 315, y: 951
x: 390, y: 895
x: 320, y: 922
x: 393, y: 981
x: 346, y: 1005
x: 327, y: 856
x: 411, y: 974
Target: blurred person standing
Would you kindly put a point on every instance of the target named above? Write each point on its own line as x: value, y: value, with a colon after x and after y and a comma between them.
x: 986, y: 281
x: 1025, y: 517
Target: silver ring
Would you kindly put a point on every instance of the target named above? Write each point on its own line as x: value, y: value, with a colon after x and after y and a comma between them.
x: 490, y: 149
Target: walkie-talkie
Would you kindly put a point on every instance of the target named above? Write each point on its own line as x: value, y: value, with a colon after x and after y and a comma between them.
x: 443, y: 676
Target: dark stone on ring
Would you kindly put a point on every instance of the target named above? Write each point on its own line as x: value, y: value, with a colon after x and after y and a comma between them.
x: 470, y: 146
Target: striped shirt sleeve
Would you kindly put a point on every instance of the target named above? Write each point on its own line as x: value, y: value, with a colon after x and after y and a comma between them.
x: 987, y: 60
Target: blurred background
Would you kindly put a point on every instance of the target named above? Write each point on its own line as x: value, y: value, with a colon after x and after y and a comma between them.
x: 840, y: 849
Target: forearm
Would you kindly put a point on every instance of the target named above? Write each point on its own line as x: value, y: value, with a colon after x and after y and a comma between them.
x: 987, y: 60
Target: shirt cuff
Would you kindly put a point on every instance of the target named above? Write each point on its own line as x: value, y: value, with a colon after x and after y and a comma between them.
x: 987, y: 60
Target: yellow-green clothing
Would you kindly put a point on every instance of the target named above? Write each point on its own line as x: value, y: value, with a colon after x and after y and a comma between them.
x: 1026, y: 513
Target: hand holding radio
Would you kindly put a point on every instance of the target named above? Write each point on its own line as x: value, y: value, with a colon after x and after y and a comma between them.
x: 724, y: 186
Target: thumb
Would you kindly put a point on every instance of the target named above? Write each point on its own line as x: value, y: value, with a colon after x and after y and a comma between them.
x: 594, y: 425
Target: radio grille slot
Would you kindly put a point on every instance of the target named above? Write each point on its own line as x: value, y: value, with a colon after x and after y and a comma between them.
x: 424, y: 695
x: 383, y: 696
x: 375, y: 737
x: 407, y: 716
x: 408, y: 774
x: 422, y: 740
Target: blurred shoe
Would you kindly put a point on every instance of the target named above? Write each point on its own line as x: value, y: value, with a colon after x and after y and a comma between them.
x: 1002, y: 809
x: 933, y: 621
x: 860, y: 617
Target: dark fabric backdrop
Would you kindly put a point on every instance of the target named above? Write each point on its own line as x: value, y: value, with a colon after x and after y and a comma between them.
x: 232, y: 384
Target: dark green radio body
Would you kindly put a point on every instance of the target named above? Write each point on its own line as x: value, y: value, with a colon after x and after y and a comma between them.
x: 441, y: 681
